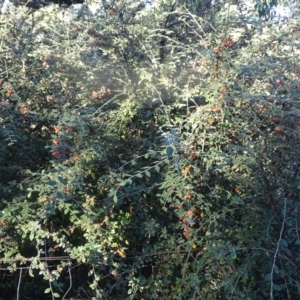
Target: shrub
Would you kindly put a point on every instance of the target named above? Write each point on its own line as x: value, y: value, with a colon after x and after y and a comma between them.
x: 151, y: 157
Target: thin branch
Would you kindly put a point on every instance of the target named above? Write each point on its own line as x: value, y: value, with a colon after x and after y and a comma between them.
x: 70, y: 275
x: 286, y: 284
x: 277, y: 250
x: 19, y: 283
x: 167, y: 20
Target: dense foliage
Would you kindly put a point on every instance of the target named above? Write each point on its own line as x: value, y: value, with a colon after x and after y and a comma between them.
x: 149, y: 154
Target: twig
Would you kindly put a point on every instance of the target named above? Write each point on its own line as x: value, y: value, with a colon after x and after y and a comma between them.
x: 277, y: 249
x: 63, y: 298
x: 286, y: 284
x: 19, y: 283
x: 6, y: 71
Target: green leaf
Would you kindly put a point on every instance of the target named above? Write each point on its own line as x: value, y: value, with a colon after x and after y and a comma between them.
x: 157, y: 168
x: 31, y: 273
x: 48, y: 290
x: 56, y: 295
x: 60, y: 195
x: 268, y: 277
x: 52, y: 183
x: 115, y: 198
x: 61, y: 180
x: 169, y: 151
x: 147, y: 173
x: 276, y: 287
x: 123, y: 183
x: 284, y: 242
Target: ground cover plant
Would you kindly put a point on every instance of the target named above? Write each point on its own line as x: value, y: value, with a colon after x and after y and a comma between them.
x: 149, y: 154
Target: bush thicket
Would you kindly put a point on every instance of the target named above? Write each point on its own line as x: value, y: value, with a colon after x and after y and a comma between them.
x: 149, y: 154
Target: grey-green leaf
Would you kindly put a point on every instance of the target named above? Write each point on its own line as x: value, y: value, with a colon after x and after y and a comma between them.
x: 170, y: 151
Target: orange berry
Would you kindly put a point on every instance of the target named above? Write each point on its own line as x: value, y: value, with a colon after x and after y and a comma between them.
x: 228, y: 43
x: 190, y: 212
x: 9, y: 91
x: 25, y: 111
x: 193, y: 156
x: 189, y: 196
x: 278, y: 129
x: 216, y: 109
